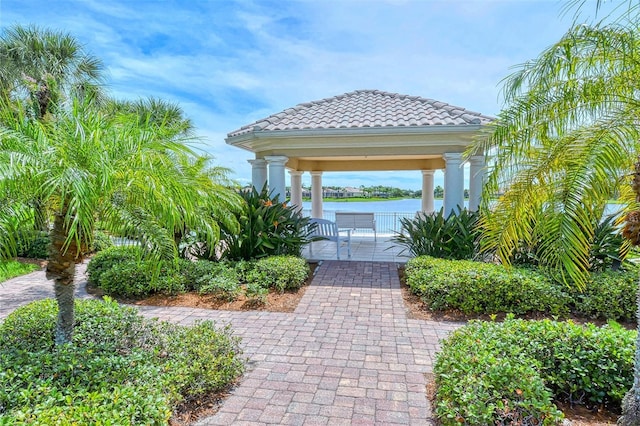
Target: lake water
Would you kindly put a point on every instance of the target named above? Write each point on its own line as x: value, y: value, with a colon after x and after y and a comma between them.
x: 389, y: 213
x: 407, y: 205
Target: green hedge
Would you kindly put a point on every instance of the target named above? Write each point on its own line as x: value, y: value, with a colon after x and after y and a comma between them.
x: 505, y: 373
x: 279, y: 272
x: 609, y: 295
x: 483, y: 288
x: 122, y: 272
x: 110, y: 257
x: 120, y: 369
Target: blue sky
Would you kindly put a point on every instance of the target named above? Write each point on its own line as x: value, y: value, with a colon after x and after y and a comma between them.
x: 229, y: 63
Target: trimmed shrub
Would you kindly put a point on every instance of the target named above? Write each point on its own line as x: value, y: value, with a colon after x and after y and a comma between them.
x: 279, y: 272
x: 256, y: 293
x: 224, y: 285
x: 509, y: 372
x: 609, y: 295
x: 33, y: 244
x: 215, y: 278
x: 101, y: 241
x: 128, y: 279
x: 106, y: 259
x: 120, y: 368
x: 484, y: 288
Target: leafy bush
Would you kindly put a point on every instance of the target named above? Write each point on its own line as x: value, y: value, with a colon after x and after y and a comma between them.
x: 216, y: 278
x: 451, y: 237
x: 33, y: 244
x: 480, y: 288
x: 120, y: 368
x: 609, y: 295
x: 279, y: 272
x: 106, y: 259
x: 509, y: 373
x: 128, y: 279
x: 223, y: 285
x: 11, y: 268
x: 484, y: 288
x: 267, y: 228
x: 256, y: 293
x: 101, y: 241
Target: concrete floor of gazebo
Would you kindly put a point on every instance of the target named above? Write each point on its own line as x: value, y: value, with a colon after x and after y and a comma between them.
x: 363, y: 248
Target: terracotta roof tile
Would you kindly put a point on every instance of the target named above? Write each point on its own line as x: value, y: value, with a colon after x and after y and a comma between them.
x: 366, y: 108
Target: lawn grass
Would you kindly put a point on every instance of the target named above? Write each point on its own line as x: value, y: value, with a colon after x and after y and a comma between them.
x: 11, y: 268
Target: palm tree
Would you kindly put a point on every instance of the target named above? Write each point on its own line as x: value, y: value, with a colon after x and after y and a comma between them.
x: 45, y: 67
x: 93, y: 165
x: 564, y: 144
x: 42, y: 68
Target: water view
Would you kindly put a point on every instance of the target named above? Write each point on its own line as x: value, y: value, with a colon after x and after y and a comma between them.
x: 389, y: 213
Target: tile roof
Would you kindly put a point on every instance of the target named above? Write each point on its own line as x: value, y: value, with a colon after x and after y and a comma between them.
x: 365, y: 109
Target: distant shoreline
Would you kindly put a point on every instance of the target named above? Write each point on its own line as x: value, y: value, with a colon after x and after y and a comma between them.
x: 365, y: 199
x: 359, y: 199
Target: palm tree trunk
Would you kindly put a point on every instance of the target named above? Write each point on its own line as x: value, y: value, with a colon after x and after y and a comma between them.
x: 61, y: 268
x: 631, y: 401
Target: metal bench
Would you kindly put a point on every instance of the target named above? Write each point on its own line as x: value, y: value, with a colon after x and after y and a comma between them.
x: 356, y: 220
x: 326, y: 230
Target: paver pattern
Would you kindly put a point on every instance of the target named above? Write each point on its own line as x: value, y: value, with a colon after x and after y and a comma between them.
x: 348, y: 355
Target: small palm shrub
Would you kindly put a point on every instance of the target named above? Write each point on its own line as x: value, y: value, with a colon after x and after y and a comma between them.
x: 267, y: 228
x: 451, y: 237
x: 279, y: 272
x: 119, y: 369
x: 608, y: 248
x: 510, y: 372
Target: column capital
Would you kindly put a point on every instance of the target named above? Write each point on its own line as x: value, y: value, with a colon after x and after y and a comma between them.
x: 276, y: 159
x: 257, y: 162
x: 316, y: 173
x: 428, y: 172
x: 477, y: 160
x: 295, y: 172
x: 452, y: 157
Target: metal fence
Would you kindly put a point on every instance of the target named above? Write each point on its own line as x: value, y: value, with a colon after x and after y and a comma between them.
x: 387, y: 223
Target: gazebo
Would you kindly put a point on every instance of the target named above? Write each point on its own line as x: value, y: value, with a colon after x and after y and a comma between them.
x: 365, y: 130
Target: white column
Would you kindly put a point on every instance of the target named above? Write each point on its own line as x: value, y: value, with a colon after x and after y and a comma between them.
x: 453, y: 182
x: 277, y: 187
x: 476, y: 181
x: 296, y: 189
x: 258, y: 173
x: 316, y: 195
x: 427, y: 191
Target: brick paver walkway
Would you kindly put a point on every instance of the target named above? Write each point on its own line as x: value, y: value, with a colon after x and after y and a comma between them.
x: 347, y: 355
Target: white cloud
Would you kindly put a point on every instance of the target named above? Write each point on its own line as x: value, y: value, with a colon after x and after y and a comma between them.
x: 231, y: 63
